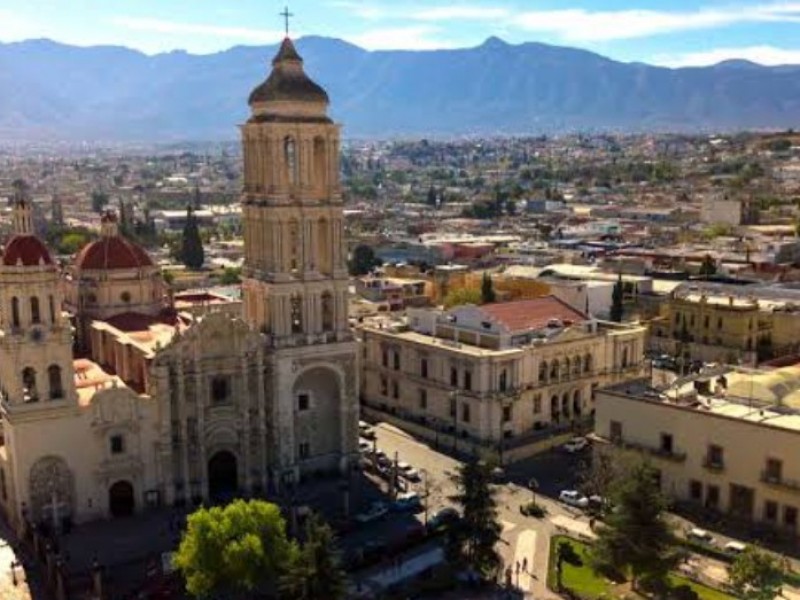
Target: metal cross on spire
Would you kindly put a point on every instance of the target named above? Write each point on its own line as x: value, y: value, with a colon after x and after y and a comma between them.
x: 286, y: 16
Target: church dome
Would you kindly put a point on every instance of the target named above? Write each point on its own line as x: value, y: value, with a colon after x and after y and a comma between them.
x: 26, y: 250
x: 288, y: 81
x: 112, y: 251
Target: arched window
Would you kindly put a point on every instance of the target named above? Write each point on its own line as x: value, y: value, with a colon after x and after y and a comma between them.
x: 15, y: 311
x: 503, y: 380
x: 576, y: 366
x: 320, y: 164
x: 29, y: 392
x: 327, y: 311
x: 543, y: 371
x: 297, y: 313
x: 54, y: 377
x: 587, y: 363
x: 290, y: 159
x: 624, y: 358
x: 567, y: 367
x: 577, y: 405
x: 324, y: 258
x: 294, y: 244
x: 52, y: 306
x: 554, y: 370
x: 36, y: 316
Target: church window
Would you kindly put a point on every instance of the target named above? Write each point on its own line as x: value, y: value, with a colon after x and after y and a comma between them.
x: 220, y: 389
x: 125, y: 297
x: 293, y: 244
x: 29, y: 384
x: 15, y: 311
x: 56, y: 387
x: 320, y: 169
x: 303, y: 402
x: 327, y: 312
x: 52, y: 306
x: 290, y: 158
x: 117, y: 444
x: 297, y: 313
x: 36, y: 317
x: 304, y: 450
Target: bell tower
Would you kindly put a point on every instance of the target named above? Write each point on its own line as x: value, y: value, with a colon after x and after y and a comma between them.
x: 295, y: 287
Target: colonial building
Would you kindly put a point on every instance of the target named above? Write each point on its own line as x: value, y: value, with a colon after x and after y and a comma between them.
x: 498, y: 375
x: 140, y: 404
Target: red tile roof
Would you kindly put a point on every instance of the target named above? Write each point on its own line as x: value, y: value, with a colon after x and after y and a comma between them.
x: 26, y: 250
x: 524, y: 315
x: 112, y: 252
x: 131, y: 321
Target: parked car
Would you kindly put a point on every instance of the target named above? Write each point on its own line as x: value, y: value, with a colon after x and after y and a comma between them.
x: 366, y: 430
x: 408, y: 501
x: 444, y: 517
x: 700, y: 535
x: 364, y: 446
x: 735, y: 547
x: 573, y: 498
x: 575, y: 445
x: 406, y: 471
x: 373, y: 513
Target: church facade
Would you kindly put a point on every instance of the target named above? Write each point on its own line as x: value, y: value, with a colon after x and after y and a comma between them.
x: 113, y: 401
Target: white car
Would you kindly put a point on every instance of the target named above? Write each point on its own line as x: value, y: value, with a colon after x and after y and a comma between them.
x: 700, y: 535
x: 573, y: 498
x: 575, y: 445
x: 373, y: 513
x: 406, y: 471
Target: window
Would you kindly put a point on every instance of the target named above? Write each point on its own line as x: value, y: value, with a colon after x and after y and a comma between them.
x: 54, y: 379
x: 537, y: 404
x: 220, y: 389
x: 507, y: 414
x: 117, y: 444
x: 691, y: 321
x: 396, y: 360
x: 624, y: 358
x: 554, y: 371
x: 52, y: 306
x: 666, y: 443
x: 467, y: 380
x: 615, y: 431
x: 453, y: 408
x: 587, y: 363
x: 543, y: 372
x: 715, y: 457
x: 304, y: 450
x: 36, y: 317
x: 705, y: 322
x: 30, y: 394
x: 423, y: 368
x: 327, y: 311
x: 465, y: 416
x: 384, y: 386
x: 395, y: 390
x: 385, y: 357
x: 774, y: 470
x: 297, y: 313
x: 790, y: 516
x: 695, y: 490
x: 677, y: 318
x: 303, y: 402
x: 290, y: 159
x: 15, y: 311
x: 453, y: 376
x: 423, y: 399
x: 125, y: 297
x: 719, y: 323
x: 712, y: 497
x: 503, y: 380
x: 771, y: 511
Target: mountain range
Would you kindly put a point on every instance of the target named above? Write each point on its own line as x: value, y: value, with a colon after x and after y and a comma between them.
x: 55, y: 91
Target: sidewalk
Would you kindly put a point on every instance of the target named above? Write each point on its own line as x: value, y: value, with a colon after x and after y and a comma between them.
x: 401, y: 568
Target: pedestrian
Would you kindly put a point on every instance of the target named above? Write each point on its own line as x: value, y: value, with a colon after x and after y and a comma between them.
x: 525, y: 564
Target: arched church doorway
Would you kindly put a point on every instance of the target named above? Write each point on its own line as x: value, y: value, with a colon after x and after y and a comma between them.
x: 121, y: 502
x: 223, y: 476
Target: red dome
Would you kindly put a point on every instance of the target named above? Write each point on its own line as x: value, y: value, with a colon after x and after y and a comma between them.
x: 112, y: 252
x: 26, y: 250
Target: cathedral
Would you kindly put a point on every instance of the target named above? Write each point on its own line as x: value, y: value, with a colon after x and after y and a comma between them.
x: 113, y: 402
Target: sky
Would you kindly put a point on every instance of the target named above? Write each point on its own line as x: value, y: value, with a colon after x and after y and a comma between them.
x: 665, y: 32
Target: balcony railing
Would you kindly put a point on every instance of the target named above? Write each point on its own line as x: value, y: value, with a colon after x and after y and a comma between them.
x: 667, y: 454
x: 779, y: 481
x: 713, y: 465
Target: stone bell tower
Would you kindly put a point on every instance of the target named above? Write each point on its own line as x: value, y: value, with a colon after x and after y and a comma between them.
x: 295, y: 276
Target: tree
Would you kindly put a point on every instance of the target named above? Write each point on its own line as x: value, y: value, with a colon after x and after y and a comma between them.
x: 565, y: 553
x: 479, y: 530
x: 235, y: 550
x: 461, y: 296
x: 617, y: 309
x: 99, y: 201
x: 315, y: 573
x: 192, y: 253
x: 487, y: 289
x: 708, y: 266
x: 636, y: 537
x: 231, y: 276
x: 363, y: 260
x: 755, y: 575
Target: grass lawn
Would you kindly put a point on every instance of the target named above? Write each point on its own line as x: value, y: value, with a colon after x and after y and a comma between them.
x: 586, y: 583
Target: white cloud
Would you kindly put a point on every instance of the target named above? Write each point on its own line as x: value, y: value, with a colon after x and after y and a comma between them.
x: 764, y: 55
x: 197, y: 29
x: 577, y: 24
x: 461, y: 13
x: 415, y: 37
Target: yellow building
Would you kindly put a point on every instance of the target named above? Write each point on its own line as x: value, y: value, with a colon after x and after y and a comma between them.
x: 500, y: 376
x: 724, y: 444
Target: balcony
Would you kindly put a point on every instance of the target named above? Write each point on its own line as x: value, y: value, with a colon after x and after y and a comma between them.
x: 672, y: 454
x: 713, y: 465
x: 778, y: 481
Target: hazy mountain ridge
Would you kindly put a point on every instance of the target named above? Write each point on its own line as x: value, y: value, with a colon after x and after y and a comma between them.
x: 51, y: 90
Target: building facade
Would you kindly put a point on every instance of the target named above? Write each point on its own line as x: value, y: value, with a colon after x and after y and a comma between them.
x: 159, y: 406
x: 497, y: 375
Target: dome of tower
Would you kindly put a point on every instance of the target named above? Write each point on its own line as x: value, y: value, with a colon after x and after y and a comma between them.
x: 26, y: 250
x: 288, y: 81
x: 112, y: 251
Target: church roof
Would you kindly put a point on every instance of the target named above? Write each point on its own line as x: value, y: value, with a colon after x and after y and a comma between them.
x: 288, y: 81
x: 523, y: 315
x: 112, y: 252
x: 26, y: 250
